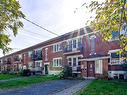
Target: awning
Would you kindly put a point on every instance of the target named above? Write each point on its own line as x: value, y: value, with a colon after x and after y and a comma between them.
x: 95, y: 58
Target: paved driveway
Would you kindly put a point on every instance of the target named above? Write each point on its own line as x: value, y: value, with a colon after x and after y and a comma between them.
x: 47, y: 88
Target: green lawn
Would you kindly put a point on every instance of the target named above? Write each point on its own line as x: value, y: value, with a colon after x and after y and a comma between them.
x: 105, y: 87
x: 7, y: 76
x: 26, y: 81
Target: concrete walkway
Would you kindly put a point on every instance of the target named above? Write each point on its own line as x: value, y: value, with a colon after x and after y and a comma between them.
x: 56, y: 87
x: 74, y: 89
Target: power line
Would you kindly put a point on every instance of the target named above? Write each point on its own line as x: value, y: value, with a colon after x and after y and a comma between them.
x: 41, y: 27
x: 33, y: 32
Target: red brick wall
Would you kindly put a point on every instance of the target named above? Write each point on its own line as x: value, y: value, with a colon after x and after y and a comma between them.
x: 102, y: 47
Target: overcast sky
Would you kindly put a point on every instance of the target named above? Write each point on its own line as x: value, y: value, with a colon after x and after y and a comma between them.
x: 55, y: 15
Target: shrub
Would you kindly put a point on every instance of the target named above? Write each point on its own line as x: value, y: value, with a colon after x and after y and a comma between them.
x: 25, y: 72
x: 67, y: 72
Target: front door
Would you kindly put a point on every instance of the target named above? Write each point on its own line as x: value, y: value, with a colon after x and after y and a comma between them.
x: 46, y: 69
x: 91, y: 69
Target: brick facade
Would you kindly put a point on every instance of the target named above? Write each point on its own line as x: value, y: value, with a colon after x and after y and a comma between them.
x: 92, y: 51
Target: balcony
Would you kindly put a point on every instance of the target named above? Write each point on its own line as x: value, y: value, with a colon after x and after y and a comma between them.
x: 70, y: 49
x: 17, y: 59
x: 36, y: 56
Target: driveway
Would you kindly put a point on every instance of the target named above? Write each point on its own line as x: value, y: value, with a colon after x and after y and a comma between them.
x: 47, y: 88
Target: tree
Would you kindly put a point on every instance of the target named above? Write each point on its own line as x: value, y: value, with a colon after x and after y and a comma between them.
x: 10, y: 19
x: 111, y: 15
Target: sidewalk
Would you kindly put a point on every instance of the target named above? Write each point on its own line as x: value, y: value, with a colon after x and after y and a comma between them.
x: 73, y: 89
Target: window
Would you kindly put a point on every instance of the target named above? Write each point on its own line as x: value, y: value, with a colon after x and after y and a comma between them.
x: 74, y: 61
x: 117, y: 58
x: 114, y: 58
x: 38, y: 54
x: 29, y: 53
x: 38, y: 64
x: 93, y: 44
x: 57, y: 62
x: 57, y: 47
x: 70, y: 44
x: 46, y: 54
x: 98, y: 66
x: 74, y: 43
x: 79, y: 42
x: 69, y: 61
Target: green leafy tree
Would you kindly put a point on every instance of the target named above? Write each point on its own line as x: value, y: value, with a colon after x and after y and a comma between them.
x: 10, y: 19
x: 111, y: 15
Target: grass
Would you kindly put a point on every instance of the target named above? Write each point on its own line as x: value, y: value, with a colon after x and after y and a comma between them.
x: 26, y: 81
x: 7, y: 76
x: 105, y: 87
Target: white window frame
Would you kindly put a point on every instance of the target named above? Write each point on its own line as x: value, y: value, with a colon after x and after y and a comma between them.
x: 93, y: 47
x: 29, y: 53
x: 46, y: 54
x: 72, y: 57
x: 38, y: 62
x: 120, y: 61
x: 57, y: 60
x: 99, y: 66
x: 72, y: 42
x: 57, y: 47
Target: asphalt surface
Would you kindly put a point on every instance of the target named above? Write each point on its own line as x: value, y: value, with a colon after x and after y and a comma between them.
x: 47, y: 88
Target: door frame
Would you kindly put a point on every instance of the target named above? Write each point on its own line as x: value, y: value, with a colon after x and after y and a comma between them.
x: 47, y: 63
x: 88, y: 69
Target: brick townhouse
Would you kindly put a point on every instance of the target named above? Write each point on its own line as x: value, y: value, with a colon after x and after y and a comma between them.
x: 83, y: 50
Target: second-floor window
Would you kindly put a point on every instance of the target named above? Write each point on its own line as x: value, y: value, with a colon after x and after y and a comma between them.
x: 74, y: 43
x: 57, y: 47
x: 93, y: 43
x: 46, y: 54
x: 29, y: 53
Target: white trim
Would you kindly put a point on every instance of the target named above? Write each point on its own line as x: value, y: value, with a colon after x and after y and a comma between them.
x: 46, y: 63
x: 76, y: 51
x: 89, y: 77
x: 38, y: 61
x: 96, y: 58
x: 57, y: 58
x: 74, y: 56
x: 112, y: 51
x: 92, y: 36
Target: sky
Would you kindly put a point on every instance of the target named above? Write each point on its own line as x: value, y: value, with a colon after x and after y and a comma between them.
x: 59, y: 16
